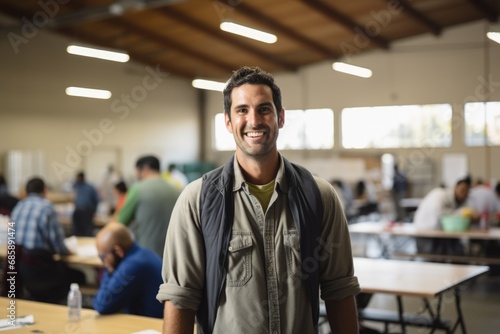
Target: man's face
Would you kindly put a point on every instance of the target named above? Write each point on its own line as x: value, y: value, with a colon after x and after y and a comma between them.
x: 254, y: 120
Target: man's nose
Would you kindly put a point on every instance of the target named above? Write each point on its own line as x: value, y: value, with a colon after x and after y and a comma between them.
x: 253, y: 117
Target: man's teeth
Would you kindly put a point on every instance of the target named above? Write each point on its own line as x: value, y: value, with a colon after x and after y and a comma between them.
x: 254, y: 134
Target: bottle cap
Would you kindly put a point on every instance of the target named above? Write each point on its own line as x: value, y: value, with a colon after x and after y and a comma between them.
x: 74, y: 286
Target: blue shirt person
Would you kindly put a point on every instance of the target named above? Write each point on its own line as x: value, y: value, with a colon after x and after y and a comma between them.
x: 132, y: 275
x: 86, y: 201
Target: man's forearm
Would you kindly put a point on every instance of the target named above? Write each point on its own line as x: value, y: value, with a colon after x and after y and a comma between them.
x: 342, y: 315
x: 177, y: 321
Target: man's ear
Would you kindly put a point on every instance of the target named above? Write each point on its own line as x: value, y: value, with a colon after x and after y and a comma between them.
x: 281, y: 118
x: 227, y: 121
x: 119, y: 251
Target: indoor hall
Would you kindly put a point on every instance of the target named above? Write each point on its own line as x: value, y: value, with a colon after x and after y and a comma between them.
x: 431, y: 106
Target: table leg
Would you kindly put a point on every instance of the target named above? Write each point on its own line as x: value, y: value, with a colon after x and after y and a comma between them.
x: 401, y: 314
x: 460, y: 319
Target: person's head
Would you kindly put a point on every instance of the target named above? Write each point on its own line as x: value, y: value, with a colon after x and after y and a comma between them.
x: 120, y: 187
x: 497, y: 189
x: 146, y: 166
x: 80, y: 177
x: 462, y: 190
x: 251, y: 76
x: 253, y: 111
x: 35, y: 186
x: 113, y: 243
x: 171, y: 167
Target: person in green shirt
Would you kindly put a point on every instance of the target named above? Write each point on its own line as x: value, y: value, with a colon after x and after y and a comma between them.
x: 149, y: 205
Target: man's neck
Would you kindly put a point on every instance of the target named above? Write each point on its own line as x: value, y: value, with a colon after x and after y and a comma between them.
x: 259, y: 171
x: 150, y: 175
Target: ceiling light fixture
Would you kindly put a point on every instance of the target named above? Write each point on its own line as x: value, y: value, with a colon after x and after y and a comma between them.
x: 98, y: 53
x: 258, y: 35
x: 209, y: 84
x: 494, y: 36
x: 88, y: 92
x: 352, y: 69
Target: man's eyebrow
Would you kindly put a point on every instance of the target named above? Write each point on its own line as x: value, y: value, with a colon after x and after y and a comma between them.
x: 239, y: 106
x: 260, y: 105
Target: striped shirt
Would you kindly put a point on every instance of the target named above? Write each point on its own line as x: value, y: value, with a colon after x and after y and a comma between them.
x: 37, y: 226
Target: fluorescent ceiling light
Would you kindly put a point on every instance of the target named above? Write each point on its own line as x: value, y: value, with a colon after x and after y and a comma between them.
x: 98, y: 53
x: 209, y: 84
x: 258, y: 35
x: 494, y: 36
x: 88, y: 92
x: 351, y: 69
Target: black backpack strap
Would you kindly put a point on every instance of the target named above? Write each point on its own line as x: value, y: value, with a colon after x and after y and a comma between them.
x: 216, y: 212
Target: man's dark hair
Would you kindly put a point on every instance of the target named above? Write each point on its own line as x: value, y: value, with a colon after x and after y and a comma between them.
x: 35, y: 186
x: 252, y: 76
x: 149, y: 161
x: 497, y: 188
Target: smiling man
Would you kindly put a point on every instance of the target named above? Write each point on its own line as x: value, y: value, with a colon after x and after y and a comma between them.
x: 251, y: 245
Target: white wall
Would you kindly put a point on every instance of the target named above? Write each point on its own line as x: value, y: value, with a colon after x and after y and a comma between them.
x: 451, y: 68
x: 160, y: 114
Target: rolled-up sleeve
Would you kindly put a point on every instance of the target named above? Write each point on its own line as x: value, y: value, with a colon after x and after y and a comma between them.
x: 183, y: 268
x: 337, y: 279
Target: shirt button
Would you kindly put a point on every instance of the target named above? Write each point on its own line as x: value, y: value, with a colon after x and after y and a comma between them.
x: 275, y: 332
x: 230, y: 248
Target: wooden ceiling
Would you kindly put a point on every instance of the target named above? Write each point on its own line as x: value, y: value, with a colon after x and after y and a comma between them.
x: 183, y: 36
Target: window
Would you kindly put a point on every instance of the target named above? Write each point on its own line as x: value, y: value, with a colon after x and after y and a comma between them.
x: 397, y: 126
x: 303, y: 129
x: 482, y: 123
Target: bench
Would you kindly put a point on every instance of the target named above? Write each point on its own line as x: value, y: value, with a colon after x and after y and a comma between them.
x: 388, y: 317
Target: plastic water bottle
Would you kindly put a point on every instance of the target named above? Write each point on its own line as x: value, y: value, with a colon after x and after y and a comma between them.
x: 74, y: 302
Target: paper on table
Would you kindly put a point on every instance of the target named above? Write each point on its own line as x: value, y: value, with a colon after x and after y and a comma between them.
x: 147, y: 331
x: 87, y: 251
x: 7, y: 324
x: 71, y: 243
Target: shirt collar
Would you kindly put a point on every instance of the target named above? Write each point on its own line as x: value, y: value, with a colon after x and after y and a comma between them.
x: 280, y: 180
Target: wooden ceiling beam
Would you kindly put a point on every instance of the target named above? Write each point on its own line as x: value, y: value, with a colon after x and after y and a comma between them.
x: 279, y: 28
x: 133, y: 27
x: 410, y: 10
x: 344, y: 20
x: 489, y: 12
x: 204, y: 28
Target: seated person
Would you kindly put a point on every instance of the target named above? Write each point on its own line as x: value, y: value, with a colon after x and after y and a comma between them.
x: 7, y: 201
x: 132, y: 274
x: 485, y: 200
x: 366, y: 198
x: 438, y: 202
x: 39, y: 236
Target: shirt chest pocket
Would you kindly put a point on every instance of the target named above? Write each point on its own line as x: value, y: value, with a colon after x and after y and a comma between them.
x: 239, y: 266
x: 291, y: 242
